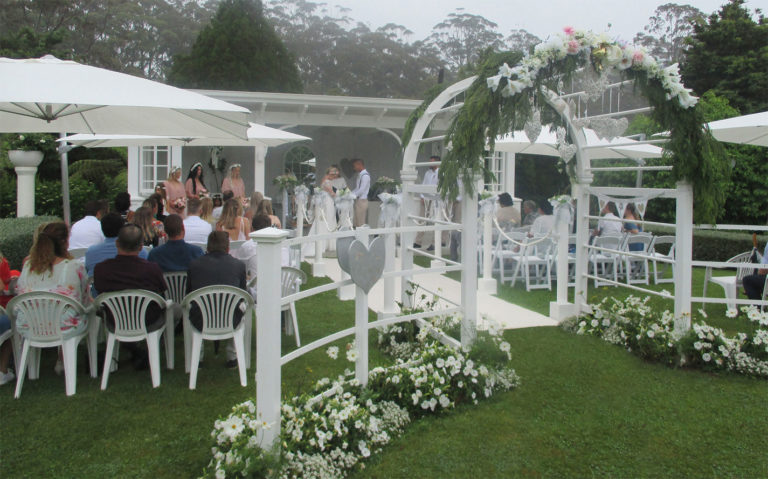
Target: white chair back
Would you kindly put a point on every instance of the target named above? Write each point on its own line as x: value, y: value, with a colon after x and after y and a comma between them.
x: 292, y: 279
x: 218, y: 305
x: 78, y: 253
x: 42, y: 311
x: 177, y: 286
x: 129, y: 309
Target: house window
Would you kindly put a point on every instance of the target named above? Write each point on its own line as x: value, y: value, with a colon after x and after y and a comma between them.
x: 495, y: 163
x: 155, y: 161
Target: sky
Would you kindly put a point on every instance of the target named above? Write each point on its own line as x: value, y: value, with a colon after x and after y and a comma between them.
x: 540, y: 17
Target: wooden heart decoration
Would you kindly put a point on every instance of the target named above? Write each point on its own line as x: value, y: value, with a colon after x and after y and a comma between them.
x: 342, y: 251
x: 366, y: 265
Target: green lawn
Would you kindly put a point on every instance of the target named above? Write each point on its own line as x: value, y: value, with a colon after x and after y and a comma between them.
x: 585, y: 408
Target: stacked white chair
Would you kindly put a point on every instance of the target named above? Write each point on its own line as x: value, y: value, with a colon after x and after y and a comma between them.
x: 659, y: 272
x: 730, y: 284
x: 292, y: 279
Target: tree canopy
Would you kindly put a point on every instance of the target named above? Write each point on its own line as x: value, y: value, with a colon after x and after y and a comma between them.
x: 239, y: 50
x: 729, y: 55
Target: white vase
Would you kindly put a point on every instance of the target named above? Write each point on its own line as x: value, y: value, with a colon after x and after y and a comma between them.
x: 25, y: 163
x: 25, y: 158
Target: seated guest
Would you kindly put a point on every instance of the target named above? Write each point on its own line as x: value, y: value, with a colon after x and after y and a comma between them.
x: 544, y: 221
x: 153, y: 233
x: 507, y: 215
x: 110, y: 226
x: 216, y: 267
x: 6, y: 376
x: 175, y: 254
x: 196, y: 229
x: 219, y: 208
x: 155, y: 203
x: 232, y: 221
x: 265, y: 208
x: 630, y: 213
x: 128, y: 271
x: 531, y: 212
x: 87, y: 231
x: 610, y: 224
x: 51, y: 268
x: 123, y: 205
x: 206, y: 211
x: 754, y: 283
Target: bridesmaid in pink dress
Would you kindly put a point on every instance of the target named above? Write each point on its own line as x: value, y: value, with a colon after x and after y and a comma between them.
x: 175, y: 196
x: 194, y: 185
x: 234, y: 183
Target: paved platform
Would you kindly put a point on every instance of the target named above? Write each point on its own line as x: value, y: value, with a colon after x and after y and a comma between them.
x: 509, y: 315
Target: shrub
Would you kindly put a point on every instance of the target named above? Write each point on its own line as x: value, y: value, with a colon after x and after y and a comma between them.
x: 16, y: 235
x: 716, y: 245
x: 48, y: 200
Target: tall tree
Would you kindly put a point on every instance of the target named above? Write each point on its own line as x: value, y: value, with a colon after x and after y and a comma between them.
x: 338, y: 56
x: 239, y: 50
x: 729, y: 55
x: 522, y: 40
x: 667, y: 30
x: 462, y: 37
x: 138, y: 37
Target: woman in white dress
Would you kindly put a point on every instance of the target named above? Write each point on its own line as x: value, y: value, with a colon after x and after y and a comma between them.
x: 328, y: 184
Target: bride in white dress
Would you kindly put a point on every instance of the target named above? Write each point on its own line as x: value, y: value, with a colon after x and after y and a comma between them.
x: 330, y: 183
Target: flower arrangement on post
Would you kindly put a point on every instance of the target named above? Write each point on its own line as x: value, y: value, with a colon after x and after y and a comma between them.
x: 286, y: 182
x: 384, y: 184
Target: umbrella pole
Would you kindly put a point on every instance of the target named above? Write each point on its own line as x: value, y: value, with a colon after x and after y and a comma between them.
x: 65, y: 180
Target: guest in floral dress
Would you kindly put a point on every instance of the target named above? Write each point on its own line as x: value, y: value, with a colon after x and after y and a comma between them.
x: 51, y: 268
x: 175, y: 195
x: 150, y: 227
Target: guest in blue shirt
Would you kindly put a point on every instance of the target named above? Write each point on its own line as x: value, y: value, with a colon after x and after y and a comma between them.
x: 175, y: 254
x: 110, y: 226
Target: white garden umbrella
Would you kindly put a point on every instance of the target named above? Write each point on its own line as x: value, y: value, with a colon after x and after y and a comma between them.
x: 518, y: 142
x: 51, y: 95
x: 748, y: 129
x: 258, y: 135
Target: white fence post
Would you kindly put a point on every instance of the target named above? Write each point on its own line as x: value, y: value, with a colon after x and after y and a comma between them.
x: 361, y: 320
x: 469, y: 268
x: 406, y: 239
x: 562, y: 309
x: 488, y: 283
x: 268, y: 293
x: 683, y: 256
x: 318, y: 267
x: 389, y: 308
x: 581, y: 194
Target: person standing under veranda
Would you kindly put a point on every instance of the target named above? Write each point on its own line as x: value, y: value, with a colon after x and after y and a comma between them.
x: 234, y: 183
x: 195, y: 186
x: 361, y: 192
x: 175, y: 195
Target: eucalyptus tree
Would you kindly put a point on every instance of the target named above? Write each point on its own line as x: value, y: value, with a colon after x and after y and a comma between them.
x: 667, y: 29
x: 462, y: 38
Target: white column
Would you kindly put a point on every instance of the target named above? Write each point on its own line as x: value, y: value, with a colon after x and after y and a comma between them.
x: 409, y: 207
x: 509, y: 174
x: 268, y: 292
x: 318, y: 267
x: 582, y: 239
x: 361, y: 320
x: 389, y: 308
x: 562, y: 309
x: 25, y: 163
x: 683, y: 256
x: 64, y: 158
x: 469, y: 268
x: 259, y: 168
x: 488, y: 283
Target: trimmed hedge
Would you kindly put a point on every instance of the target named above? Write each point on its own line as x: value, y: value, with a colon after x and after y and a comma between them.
x: 16, y: 235
x: 710, y: 245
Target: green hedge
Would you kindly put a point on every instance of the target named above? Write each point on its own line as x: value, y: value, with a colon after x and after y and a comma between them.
x: 709, y: 245
x: 16, y: 237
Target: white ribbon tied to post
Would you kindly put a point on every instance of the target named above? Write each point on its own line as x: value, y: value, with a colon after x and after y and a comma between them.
x: 345, y: 201
x: 300, y: 195
x: 487, y: 206
x: 563, y: 208
x: 390, y: 209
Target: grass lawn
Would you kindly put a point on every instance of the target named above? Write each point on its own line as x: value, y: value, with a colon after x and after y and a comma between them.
x: 585, y: 408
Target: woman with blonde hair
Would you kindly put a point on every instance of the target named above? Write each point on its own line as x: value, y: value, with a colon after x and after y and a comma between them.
x: 232, y: 221
x: 206, y: 210
x: 51, y: 268
x: 144, y: 219
x: 175, y: 194
x: 234, y: 183
x: 256, y: 198
x: 265, y: 208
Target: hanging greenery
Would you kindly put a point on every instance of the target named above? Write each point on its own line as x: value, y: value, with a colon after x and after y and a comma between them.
x: 500, y: 100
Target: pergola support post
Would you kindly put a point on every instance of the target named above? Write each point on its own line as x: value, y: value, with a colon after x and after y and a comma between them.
x: 683, y: 257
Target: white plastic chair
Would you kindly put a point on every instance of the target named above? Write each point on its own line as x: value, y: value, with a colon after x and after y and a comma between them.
x: 43, y: 312
x: 11, y: 335
x: 78, y: 253
x: 636, y: 269
x: 509, y: 254
x: 129, y: 310
x: 603, y: 259
x: 536, y: 264
x: 218, y: 305
x: 292, y: 279
x: 659, y: 272
x: 177, y: 288
x: 730, y: 284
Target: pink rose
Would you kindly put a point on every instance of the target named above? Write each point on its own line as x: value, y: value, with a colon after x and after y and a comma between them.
x: 573, y: 46
x: 569, y: 31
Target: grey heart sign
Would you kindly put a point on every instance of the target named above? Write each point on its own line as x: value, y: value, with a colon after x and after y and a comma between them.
x: 342, y: 252
x: 366, y: 264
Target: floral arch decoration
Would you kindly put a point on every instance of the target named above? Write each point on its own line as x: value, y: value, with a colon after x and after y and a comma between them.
x: 500, y: 100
